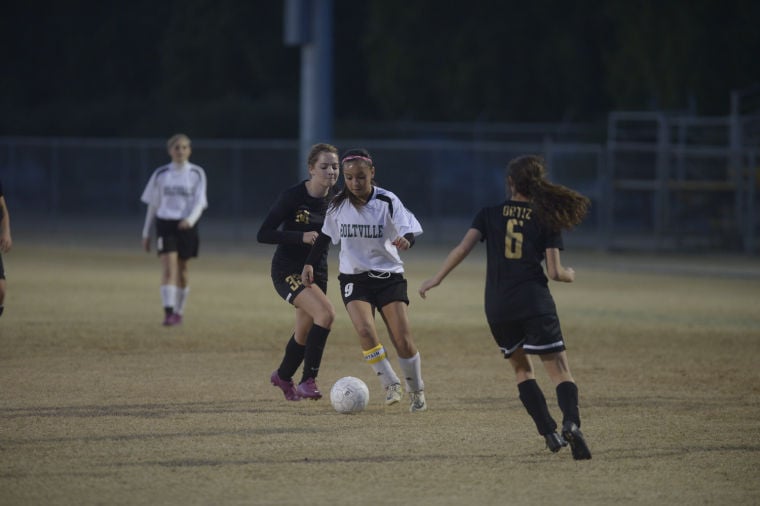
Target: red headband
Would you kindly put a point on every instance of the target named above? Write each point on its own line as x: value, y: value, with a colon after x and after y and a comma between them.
x: 357, y: 157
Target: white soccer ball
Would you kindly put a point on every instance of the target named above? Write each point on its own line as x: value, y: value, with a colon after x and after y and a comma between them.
x: 349, y: 395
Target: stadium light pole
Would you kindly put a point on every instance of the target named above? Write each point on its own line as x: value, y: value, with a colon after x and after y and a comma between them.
x: 309, y: 24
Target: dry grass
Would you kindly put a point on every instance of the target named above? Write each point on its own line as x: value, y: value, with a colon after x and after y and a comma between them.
x: 99, y: 404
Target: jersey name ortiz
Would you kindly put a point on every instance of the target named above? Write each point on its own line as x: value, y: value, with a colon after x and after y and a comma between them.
x: 366, y: 233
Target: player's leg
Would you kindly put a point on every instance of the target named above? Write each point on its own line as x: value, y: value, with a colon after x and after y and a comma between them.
x: 187, y: 247
x: 557, y: 368
x: 2, y: 285
x: 183, y: 287
x: 397, y: 320
x: 361, y: 315
x: 282, y: 377
x: 316, y: 315
x: 168, y: 284
x: 532, y: 397
x: 167, y: 247
x: 2, y: 295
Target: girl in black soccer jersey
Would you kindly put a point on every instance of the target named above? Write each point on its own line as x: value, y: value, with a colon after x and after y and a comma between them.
x: 520, y: 234
x: 5, y: 243
x: 176, y: 198
x: 293, y: 224
x: 372, y: 225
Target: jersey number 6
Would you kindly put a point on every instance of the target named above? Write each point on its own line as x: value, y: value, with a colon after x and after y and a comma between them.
x: 513, y: 240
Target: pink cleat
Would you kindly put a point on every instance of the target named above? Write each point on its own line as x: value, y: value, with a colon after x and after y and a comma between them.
x: 309, y: 390
x: 286, y: 386
x: 173, y: 319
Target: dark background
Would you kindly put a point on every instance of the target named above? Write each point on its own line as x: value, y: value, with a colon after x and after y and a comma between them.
x: 220, y: 68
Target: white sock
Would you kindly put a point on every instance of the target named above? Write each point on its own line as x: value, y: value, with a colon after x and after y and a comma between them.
x: 179, y: 307
x: 168, y: 295
x: 378, y: 359
x: 412, y: 370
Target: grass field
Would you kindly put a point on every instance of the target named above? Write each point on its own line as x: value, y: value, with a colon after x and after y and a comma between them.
x: 99, y: 404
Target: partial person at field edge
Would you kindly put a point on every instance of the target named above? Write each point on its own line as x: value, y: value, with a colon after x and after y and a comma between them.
x: 520, y: 234
x: 176, y: 198
x: 293, y: 223
x: 5, y: 243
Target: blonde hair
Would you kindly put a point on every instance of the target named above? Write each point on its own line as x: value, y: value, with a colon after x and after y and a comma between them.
x: 174, y: 139
x: 318, y: 149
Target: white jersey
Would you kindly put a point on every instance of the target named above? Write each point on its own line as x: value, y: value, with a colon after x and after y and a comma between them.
x: 366, y: 234
x: 177, y: 192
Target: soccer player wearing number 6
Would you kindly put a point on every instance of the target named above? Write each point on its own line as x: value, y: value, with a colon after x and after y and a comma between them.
x: 372, y: 225
x: 293, y: 224
x: 520, y: 234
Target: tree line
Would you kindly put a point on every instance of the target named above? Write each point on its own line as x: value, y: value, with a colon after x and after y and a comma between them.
x: 220, y: 68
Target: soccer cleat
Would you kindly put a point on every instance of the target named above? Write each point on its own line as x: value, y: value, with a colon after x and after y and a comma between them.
x: 418, y: 401
x: 309, y: 390
x: 393, y: 394
x: 574, y: 436
x: 554, y: 442
x: 286, y: 386
x: 172, y: 319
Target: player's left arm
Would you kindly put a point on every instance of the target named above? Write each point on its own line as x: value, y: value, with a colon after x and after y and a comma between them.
x: 201, y: 203
x: 554, y: 268
x: 407, y: 225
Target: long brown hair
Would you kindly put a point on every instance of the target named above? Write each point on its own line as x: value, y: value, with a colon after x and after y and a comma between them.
x: 557, y: 207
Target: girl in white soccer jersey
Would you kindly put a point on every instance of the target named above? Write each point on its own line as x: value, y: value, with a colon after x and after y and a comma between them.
x: 176, y: 198
x: 372, y: 225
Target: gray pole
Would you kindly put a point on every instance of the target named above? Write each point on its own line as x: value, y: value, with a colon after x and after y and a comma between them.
x: 308, y: 23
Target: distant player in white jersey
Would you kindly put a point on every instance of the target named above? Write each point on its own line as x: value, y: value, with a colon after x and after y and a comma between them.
x: 372, y: 225
x: 176, y: 198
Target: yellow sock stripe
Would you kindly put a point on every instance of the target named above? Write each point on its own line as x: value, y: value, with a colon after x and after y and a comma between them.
x: 374, y: 355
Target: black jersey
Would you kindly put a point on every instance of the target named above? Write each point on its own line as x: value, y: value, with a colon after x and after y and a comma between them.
x: 516, y: 286
x: 294, y: 213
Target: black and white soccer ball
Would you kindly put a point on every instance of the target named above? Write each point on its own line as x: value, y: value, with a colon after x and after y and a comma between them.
x: 349, y: 395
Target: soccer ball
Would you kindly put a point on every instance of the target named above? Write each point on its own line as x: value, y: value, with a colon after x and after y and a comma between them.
x: 349, y: 395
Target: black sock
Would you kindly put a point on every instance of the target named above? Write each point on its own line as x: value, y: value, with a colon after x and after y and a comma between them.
x: 534, y: 401
x: 567, y: 398
x: 168, y: 310
x: 292, y: 359
x: 1, y: 310
x: 315, y: 346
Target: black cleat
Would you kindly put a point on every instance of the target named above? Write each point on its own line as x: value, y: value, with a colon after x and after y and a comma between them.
x: 574, y: 436
x: 554, y: 442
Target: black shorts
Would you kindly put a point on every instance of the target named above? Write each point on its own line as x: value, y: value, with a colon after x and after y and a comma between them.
x: 536, y: 336
x: 289, y: 285
x: 170, y: 238
x: 377, y: 288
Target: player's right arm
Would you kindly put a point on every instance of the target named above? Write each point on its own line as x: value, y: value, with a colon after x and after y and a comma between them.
x: 150, y: 215
x: 270, y: 233
x: 453, y: 259
x: 317, y: 250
